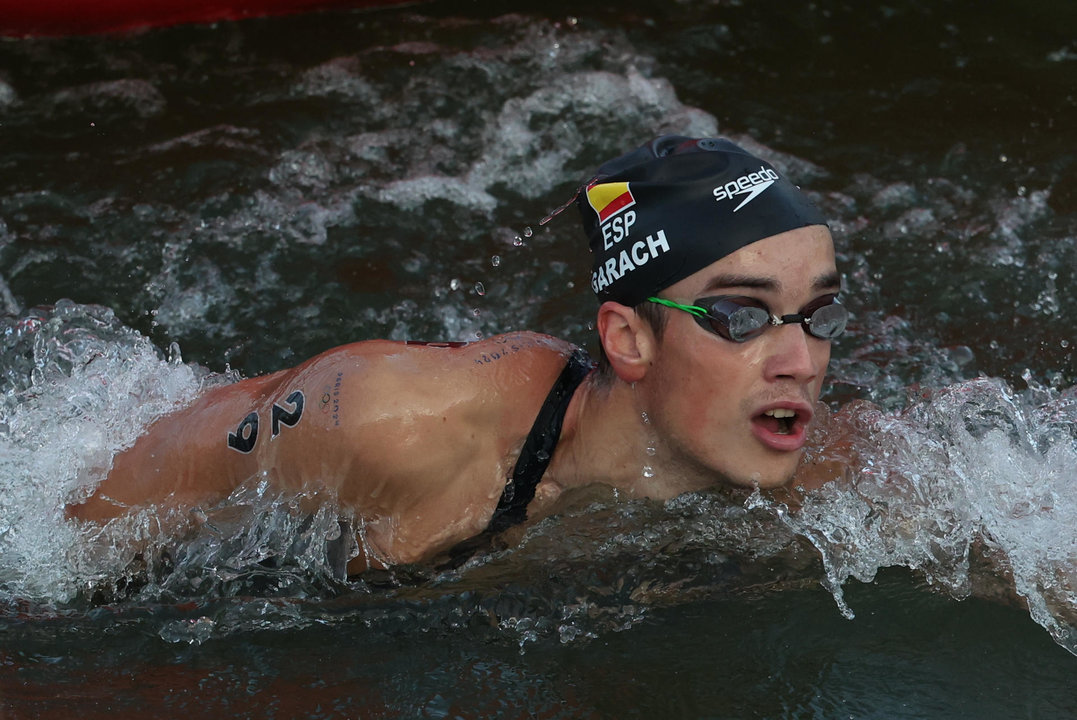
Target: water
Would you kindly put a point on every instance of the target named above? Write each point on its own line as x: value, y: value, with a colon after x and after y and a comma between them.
x: 183, y: 206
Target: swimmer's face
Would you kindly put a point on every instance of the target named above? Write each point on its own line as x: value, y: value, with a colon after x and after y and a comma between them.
x: 720, y: 404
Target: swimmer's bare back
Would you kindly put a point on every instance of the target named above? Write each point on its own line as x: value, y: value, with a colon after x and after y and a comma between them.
x: 415, y: 439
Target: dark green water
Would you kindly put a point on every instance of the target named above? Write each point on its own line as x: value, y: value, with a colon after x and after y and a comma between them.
x: 911, y: 655
x: 257, y: 192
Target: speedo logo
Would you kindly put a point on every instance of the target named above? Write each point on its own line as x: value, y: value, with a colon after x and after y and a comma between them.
x: 750, y: 185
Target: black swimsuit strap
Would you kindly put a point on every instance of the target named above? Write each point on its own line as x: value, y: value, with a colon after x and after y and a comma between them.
x: 534, y: 458
x: 539, y: 446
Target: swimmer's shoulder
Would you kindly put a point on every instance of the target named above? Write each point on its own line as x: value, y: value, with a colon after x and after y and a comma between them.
x: 522, y: 351
x: 526, y: 351
x: 506, y: 372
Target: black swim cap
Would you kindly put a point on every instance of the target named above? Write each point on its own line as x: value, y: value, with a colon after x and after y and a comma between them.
x: 674, y: 206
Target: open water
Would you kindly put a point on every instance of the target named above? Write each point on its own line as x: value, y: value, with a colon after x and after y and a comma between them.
x: 182, y: 206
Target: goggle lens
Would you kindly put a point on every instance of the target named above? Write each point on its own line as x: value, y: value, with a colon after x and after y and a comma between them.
x: 734, y: 318
x: 829, y: 321
x: 740, y: 319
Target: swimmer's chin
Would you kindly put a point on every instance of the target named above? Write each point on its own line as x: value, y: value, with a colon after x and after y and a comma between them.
x: 776, y: 479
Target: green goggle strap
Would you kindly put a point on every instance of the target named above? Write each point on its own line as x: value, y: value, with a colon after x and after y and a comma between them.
x: 693, y: 309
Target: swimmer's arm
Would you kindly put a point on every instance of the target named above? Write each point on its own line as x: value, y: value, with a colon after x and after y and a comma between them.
x: 338, y: 422
x: 839, y: 460
x: 404, y: 440
x: 280, y: 426
x: 183, y: 459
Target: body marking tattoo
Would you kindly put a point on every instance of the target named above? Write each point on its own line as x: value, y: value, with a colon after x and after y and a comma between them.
x: 246, y: 434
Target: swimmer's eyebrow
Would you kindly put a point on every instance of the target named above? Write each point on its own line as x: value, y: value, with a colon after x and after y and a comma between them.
x: 828, y: 281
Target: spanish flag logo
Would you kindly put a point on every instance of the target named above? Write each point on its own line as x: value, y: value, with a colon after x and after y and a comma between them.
x: 608, y: 199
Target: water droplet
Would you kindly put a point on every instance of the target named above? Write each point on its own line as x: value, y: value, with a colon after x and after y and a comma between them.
x: 648, y: 471
x: 175, y: 357
x: 454, y: 284
x: 480, y: 290
x: 646, y: 418
x: 496, y: 261
x: 1065, y: 343
x: 652, y: 451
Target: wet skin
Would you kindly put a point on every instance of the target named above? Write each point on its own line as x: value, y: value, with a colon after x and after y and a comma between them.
x: 415, y: 442
x: 708, y: 397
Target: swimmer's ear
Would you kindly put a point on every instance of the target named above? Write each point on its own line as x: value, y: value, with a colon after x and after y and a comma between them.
x: 626, y: 339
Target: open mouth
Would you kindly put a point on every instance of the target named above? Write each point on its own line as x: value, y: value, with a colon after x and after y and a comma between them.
x: 782, y: 428
x: 779, y: 421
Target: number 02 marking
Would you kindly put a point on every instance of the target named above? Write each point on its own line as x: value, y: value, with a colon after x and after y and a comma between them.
x: 288, y: 418
x: 246, y: 435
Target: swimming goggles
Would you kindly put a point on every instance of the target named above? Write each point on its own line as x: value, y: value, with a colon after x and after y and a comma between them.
x: 739, y: 318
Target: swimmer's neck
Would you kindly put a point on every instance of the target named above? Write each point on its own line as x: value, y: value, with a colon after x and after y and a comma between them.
x: 606, y: 439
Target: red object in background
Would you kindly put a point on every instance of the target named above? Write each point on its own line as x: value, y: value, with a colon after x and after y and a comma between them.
x: 19, y: 18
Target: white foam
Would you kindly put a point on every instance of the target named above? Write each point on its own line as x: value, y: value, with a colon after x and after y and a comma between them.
x: 413, y: 192
x: 8, y: 96
x: 337, y: 77
x: 499, y: 136
x: 127, y: 95
x: 93, y: 387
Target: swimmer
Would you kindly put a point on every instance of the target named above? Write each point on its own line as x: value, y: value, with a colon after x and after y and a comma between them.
x: 718, y: 296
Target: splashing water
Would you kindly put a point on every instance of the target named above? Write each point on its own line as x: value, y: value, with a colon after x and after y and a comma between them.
x: 260, y: 191
x: 967, y: 486
x: 970, y: 486
x: 77, y: 386
x: 973, y: 486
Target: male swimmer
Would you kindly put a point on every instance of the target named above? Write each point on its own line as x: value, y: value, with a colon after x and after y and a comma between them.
x: 718, y: 291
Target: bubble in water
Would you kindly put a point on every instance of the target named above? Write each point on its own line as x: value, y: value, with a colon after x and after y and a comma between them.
x: 528, y: 232
x: 454, y: 284
x: 517, y: 241
x: 480, y: 290
x: 495, y: 261
x: 648, y: 471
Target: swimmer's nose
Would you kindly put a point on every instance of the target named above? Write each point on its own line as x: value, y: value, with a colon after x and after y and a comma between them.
x: 794, y: 354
